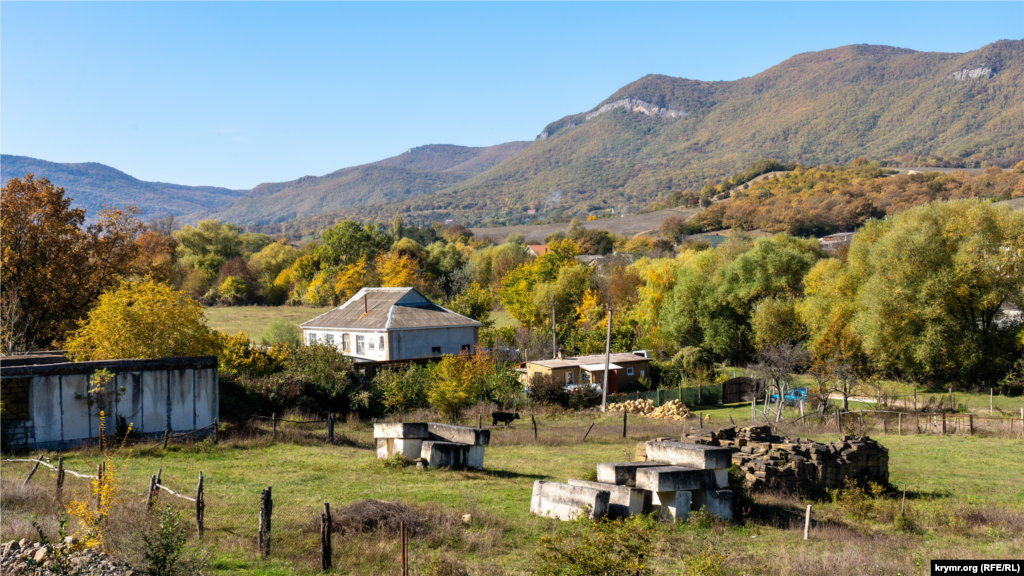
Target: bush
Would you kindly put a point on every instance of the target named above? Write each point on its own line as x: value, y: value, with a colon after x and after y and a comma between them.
x: 165, y: 544
x: 403, y: 391
x: 282, y: 332
x: 549, y: 389
x: 618, y: 547
x: 234, y: 289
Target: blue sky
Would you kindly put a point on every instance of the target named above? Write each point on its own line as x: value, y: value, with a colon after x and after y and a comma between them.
x: 234, y: 94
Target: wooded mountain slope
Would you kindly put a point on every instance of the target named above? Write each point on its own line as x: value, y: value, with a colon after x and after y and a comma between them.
x: 413, y: 173
x: 94, y: 185
x: 831, y: 106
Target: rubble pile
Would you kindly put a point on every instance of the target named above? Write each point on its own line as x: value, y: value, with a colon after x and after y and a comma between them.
x: 22, y: 557
x: 770, y: 460
x: 671, y: 410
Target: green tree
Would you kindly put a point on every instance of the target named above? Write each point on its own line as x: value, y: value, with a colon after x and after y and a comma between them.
x: 932, y: 284
x: 208, y: 238
x: 347, y: 242
x: 282, y: 332
x: 475, y: 302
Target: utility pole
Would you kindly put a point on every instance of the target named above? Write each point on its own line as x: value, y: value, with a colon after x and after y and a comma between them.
x: 554, y: 334
x: 607, y: 362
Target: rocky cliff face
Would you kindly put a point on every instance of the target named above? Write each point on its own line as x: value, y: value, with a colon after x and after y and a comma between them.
x: 631, y: 105
x: 965, y: 74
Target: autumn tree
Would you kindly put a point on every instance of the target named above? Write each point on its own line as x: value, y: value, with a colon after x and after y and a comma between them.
x: 143, y: 319
x: 53, y: 265
x: 347, y: 242
x: 475, y: 302
x: 397, y: 270
x: 453, y: 386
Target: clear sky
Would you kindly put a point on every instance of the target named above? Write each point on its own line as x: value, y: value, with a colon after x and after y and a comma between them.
x: 234, y: 94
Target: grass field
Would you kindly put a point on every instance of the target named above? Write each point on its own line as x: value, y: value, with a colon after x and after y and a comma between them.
x: 254, y: 319
x: 965, y: 496
x: 625, y: 225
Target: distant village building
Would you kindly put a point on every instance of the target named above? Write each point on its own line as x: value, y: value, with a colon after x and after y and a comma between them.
x: 835, y: 242
x: 625, y: 370
x: 537, y: 249
x: 384, y: 324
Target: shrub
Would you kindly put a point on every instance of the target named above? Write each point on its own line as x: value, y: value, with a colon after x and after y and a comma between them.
x: 618, y: 547
x: 164, y: 545
x: 707, y: 562
x: 282, y: 332
x: 234, y: 289
x: 549, y: 389
x: 403, y: 391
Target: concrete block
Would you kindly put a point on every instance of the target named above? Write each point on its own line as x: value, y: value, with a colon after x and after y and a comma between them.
x: 695, y: 455
x: 183, y: 407
x: 673, y: 478
x: 673, y: 505
x: 475, y: 457
x: 623, y: 501
x: 459, y: 434
x: 721, y: 476
x: 445, y: 454
x: 719, y: 503
x: 409, y: 448
x: 400, y: 430
x: 622, y: 473
x: 567, y: 502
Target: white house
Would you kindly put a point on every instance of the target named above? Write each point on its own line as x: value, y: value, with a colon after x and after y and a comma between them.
x: 393, y: 324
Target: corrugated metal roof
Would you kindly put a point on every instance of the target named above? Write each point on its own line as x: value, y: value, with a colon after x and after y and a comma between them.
x: 617, y: 358
x: 374, y: 308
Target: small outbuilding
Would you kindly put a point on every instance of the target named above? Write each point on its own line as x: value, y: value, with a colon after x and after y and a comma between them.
x: 625, y: 370
x: 385, y: 324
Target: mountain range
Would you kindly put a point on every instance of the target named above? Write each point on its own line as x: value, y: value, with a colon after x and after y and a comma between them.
x: 652, y: 138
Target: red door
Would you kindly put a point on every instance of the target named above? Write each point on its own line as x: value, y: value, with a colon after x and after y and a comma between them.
x: 613, y: 381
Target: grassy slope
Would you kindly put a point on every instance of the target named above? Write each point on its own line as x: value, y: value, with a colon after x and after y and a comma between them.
x: 304, y: 476
x: 254, y: 319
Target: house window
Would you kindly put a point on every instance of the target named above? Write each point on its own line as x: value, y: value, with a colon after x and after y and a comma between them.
x: 629, y: 371
x: 467, y: 348
x: 360, y: 344
x: 381, y: 345
x: 641, y: 373
x: 584, y: 377
x: 345, y: 343
x: 330, y: 339
x: 569, y: 377
x: 312, y: 338
x: 371, y: 345
x: 435, y: 351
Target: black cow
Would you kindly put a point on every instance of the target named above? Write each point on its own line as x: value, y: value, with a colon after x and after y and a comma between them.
x: 505, y: 418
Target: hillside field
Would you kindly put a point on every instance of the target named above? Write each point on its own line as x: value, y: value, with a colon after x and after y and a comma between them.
x: 254, y: 319
x: 963, y: 493
x: 628, y: 226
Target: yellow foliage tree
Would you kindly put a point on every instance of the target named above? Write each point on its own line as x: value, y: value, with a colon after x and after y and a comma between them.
x: 351, y: 279
x: 591, y: 313
x: 92, y: 512
x: 456, y: 383
x: 240, y: 356
x: 143, y: 319
x: 397, y: 270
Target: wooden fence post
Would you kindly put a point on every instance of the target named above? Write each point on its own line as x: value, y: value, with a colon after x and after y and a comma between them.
x: 752, y: 409
x: 588, y: 432
x: 990, y: 403
x: 165, y: 439
x: 200, y: 506
x: 31, y: 472
x: 216, y: 429
x: 970, y: 420
x: 159, y: 475
x: 330, y: 428
x: 943, y: 423
x: 807, y: 523
x: 534, y: 427
x: 273, y: 418
x: 60, y: 479
x: 266, y: 511
x: 325, y: 538
x: 152, y: 492
x: 405, y: 559
x: 624, y: 413
x: 917, y: 418
x: 899, y: 431
x: 700, y: 416
x: 479, y: 421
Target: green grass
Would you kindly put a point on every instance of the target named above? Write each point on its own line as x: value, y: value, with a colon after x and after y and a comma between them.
x: 943, y: 473
x: 502, y: 319
x: 254, y: 319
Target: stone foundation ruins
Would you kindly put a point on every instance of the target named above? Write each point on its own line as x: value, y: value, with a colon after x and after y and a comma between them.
x: 675, y: 478
x: 795, y: 463
x: 431, y: 444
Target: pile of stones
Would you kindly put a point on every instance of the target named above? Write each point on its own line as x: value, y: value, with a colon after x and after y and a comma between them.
x: 431, y: 444
x: 25, y: 557
x: 676, y: 478
x: 775, y: 461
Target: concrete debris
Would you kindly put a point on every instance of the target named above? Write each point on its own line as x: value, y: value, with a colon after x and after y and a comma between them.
x: 771, y: 461
x: 24, y: 557
x: 432, y: 444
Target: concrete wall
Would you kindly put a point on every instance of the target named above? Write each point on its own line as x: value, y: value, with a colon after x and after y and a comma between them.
x: 169, y: 394
x: 400, y: 344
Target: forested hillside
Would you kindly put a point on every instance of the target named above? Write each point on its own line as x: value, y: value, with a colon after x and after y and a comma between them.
x: 832, y: 106
x: 94, y: 185
x: 416, y: 172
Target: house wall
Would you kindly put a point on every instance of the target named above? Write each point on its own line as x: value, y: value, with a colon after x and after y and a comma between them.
x: 402, y: 344
x: 623, y: 376
x: 170, y: 394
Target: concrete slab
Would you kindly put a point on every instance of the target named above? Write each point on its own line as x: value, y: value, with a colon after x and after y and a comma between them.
x: 622, y: 473
x: 475, y: 457
x: 567, y: 502
x: 695, y: 455
x: 623, y: 501
x: 719, y: 503
x: 459, y: 434
x: 673, y: 478
x: 400, y: 430
x: 675, y: 505
x: 409, y: 448
x: 445, y: 454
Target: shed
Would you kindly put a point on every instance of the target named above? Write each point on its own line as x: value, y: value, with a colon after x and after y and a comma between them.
x: 626, y: 369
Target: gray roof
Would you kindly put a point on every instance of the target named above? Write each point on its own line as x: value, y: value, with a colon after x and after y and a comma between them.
x: 388, y: 309
x: 616, y: 358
